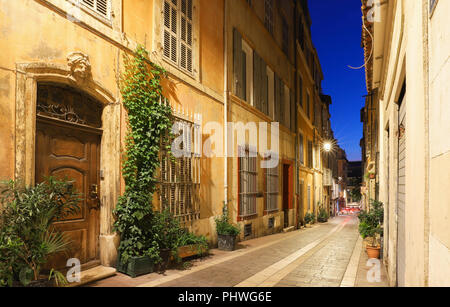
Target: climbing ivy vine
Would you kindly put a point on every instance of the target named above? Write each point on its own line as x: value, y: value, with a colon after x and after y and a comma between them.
x: 148, y: 121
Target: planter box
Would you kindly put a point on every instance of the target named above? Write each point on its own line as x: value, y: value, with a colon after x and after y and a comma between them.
x: 226, y: 242
x: 191, y: 250
x: 136, y: 266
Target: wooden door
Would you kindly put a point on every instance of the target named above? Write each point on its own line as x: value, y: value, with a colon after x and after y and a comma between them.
x: 72, y: 151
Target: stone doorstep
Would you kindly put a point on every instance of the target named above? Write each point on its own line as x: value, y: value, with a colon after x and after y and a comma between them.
x: 94, y: 274
x: 289, y: 229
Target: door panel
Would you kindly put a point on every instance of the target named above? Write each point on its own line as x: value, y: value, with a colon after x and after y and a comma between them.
x: 66, y: 151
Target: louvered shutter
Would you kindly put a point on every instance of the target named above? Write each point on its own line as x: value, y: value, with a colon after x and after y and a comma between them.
x: 170, y: 30
x: 277, y: 98
x: 237, y: 64
x: 186, y: 35
x: 300, y: 89
x: 256, y: 81
x: 102, y: 7
x: 264, y: 89
x: 293, y: 112
x: 282, y: 104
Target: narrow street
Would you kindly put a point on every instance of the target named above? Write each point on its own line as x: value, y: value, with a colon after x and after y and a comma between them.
x: 319, y: 257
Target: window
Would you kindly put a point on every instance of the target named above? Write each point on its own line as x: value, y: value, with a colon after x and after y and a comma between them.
x: 247, y: 181
x: 272, y: 189
x: 310, y: 154
x: 101, y: 7
x: 432, y: 5
x: 249, y: 2
x: 177, y: 37
x: 268, y: 16
x: 285, y: 36
x: 180, y: 177
x: 242, y: 68
x: 301, y: 149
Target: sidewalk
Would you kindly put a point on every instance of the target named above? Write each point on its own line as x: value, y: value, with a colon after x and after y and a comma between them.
x: 328, y: 254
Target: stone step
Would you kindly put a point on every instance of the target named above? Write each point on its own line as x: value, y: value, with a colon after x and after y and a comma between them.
x: 289, y: 229
x: 94, y: 274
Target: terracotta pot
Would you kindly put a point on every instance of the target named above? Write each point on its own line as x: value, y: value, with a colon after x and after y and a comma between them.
x: 373, y: 252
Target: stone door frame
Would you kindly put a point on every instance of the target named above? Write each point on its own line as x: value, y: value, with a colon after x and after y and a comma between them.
x: 28, y: 76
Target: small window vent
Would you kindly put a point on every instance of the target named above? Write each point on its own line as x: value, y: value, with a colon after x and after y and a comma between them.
x: 248, y: 230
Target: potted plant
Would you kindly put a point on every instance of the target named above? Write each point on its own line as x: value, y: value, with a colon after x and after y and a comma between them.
x: 309, y: 219
x: 322, y: 217
x: 167, y: 232
x: 226, y: 231
x: 27, y: 236
x: 189, y: 245
x: 370, y: 227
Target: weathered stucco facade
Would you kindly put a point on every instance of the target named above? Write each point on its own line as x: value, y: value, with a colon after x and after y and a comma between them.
x: 80, y: 46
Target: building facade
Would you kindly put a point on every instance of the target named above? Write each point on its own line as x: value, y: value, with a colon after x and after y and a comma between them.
x: 409, y: 71
x: 231, y: 70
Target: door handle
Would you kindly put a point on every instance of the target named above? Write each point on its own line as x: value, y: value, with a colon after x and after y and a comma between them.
x: 94, y: 197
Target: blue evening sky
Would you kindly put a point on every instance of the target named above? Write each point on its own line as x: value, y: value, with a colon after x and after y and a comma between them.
x: 336, y: 33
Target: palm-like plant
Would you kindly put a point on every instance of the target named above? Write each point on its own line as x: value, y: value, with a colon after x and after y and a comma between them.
x: 26, y: 219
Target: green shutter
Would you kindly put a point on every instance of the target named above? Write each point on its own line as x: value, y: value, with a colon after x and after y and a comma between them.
x: 237, y: 64
x: 264, y: 89
x: 256, y: 81
x: 293, y: 112
x: 277, y: 98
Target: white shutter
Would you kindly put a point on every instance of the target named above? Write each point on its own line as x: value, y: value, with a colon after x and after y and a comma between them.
x: 170, y: 30
x: 102, y: 7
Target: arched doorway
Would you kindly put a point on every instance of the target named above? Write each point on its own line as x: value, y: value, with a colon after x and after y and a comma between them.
x: 68, y: 138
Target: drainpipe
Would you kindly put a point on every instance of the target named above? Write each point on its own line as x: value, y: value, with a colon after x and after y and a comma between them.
x: 225, y: 104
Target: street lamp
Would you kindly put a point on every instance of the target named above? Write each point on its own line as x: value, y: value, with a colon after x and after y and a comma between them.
x: 327, y: 146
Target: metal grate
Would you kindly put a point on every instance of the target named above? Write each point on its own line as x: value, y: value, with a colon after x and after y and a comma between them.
x: 272, y: 189
x: 247, y: 182
x: 180, y: 177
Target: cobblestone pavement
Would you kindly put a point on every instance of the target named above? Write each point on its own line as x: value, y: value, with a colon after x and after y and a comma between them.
x: 317, y: 256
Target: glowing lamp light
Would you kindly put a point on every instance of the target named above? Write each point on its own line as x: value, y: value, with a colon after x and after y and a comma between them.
x: 327, y: 146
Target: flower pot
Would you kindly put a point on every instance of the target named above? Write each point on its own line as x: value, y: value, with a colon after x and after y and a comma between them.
x: 373, y: 252
x: 308, y: 225
x: 191, y: 250
x: 135, y: 266
x: 227, y: 242
x: 165, y: 258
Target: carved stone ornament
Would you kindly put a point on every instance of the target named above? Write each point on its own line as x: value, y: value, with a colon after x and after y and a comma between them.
x: 80, y: 66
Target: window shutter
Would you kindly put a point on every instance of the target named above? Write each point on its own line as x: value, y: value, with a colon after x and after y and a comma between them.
x: 237, y: 64
x: 186, y: 35
x: 102, y: 7
x: 300, y: 89
x: 277, y: 99
x: 264, y: 89
x: 257, y: 81
x: 282, y: 105
x: 293, y: 112
x: 170, y: 30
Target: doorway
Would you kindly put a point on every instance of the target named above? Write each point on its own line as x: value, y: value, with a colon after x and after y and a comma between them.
x: 68, y: 138
x: 287, y: 192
